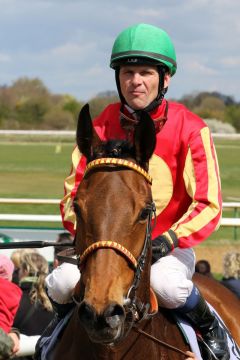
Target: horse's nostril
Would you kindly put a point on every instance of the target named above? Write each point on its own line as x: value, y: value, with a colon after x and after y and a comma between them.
x: 86, y: 313
x: 114, y: 315
x: 114, y: 310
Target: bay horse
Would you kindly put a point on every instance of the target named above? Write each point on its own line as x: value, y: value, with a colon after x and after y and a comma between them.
x: 114, y: 318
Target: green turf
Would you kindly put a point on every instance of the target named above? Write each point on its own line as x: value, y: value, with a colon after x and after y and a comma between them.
x: 36, y: 170
x: 31, y: 170
x: 228, y: 152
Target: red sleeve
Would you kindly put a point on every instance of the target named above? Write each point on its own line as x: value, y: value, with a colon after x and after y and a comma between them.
x: 202, y: 182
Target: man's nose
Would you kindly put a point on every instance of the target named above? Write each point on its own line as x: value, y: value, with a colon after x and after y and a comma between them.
x: 136, y: 79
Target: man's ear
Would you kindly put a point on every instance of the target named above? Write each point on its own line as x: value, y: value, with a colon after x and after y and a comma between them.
x: 167, y: 79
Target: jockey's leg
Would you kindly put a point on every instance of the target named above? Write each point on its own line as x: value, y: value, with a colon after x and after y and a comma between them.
x: 198, y: 312
x: 171, y: 279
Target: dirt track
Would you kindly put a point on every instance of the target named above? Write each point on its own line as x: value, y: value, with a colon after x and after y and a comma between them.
x: 214, y: 254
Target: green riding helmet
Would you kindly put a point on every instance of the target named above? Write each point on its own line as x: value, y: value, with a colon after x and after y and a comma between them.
x: 143, y: 44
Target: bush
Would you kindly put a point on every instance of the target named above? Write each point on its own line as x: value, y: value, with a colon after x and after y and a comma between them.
x: 232, y: 116
x: 58, y: 119
x: 220, y: 127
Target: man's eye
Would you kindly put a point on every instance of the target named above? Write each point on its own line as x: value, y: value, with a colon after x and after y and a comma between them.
x: 128, y: 72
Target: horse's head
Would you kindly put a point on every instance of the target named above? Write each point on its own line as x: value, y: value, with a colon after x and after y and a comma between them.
x: 113, y: 206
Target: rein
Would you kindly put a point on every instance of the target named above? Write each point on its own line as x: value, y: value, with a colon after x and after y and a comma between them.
x: 160, y: 342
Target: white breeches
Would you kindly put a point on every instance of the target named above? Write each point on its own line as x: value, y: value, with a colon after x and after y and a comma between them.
x: 170, y: 279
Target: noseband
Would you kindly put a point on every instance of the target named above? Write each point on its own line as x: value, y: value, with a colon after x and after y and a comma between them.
x: 109, y: 245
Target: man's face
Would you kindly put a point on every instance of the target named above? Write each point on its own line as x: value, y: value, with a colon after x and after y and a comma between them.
x: 139, y: 85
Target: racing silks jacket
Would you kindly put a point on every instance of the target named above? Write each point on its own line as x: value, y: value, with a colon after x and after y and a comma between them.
x: 186, y: 185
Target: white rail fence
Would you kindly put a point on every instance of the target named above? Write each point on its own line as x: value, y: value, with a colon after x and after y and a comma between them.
x: 72, y: 133
x: 233, y: 221
x: 226, y: 221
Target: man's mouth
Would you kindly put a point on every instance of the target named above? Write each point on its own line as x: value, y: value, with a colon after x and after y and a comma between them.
x: 136, y: 93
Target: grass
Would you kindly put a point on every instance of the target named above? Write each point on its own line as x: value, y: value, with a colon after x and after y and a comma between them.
x: 33, y: 170
x: 38, y: 169
x: 228, y: 152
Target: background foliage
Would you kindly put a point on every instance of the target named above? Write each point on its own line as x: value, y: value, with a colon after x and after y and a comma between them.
x: 28, y: 104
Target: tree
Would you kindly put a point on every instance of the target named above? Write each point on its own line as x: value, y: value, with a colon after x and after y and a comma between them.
x: 58, y: 119
x: 232, y: 115
x: 210, y: 107
x: 28, y: 104
x: 97, y: 104
x: 32, y: 101
x: 72, y: 105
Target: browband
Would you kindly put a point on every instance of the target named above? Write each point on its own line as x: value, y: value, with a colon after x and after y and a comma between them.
x: 119, y: 162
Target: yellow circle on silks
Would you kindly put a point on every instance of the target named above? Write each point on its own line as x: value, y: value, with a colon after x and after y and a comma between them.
x: 162, y: 185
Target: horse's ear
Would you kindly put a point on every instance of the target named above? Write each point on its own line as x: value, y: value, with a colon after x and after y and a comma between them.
x: 144, y: 139
x: 86, y: 136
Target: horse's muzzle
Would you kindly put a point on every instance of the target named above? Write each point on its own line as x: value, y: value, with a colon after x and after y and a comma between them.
x: 106, y: 327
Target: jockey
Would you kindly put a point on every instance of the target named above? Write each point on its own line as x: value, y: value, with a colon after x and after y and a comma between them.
x: 186, y: 184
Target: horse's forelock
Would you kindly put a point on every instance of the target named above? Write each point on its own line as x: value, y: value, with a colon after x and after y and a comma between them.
x: 116, y: 149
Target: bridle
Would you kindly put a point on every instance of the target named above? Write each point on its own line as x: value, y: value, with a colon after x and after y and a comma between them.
x: 136, y: 310
x: 132, y: 304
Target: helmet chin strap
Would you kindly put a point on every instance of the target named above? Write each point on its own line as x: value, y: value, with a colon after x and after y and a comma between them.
x: 156, y: 102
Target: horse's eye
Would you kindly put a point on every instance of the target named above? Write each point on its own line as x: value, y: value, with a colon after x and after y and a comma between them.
x: 144, y: 213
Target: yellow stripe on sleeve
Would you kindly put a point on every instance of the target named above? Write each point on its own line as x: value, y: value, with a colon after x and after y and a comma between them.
x: 206, y: 215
